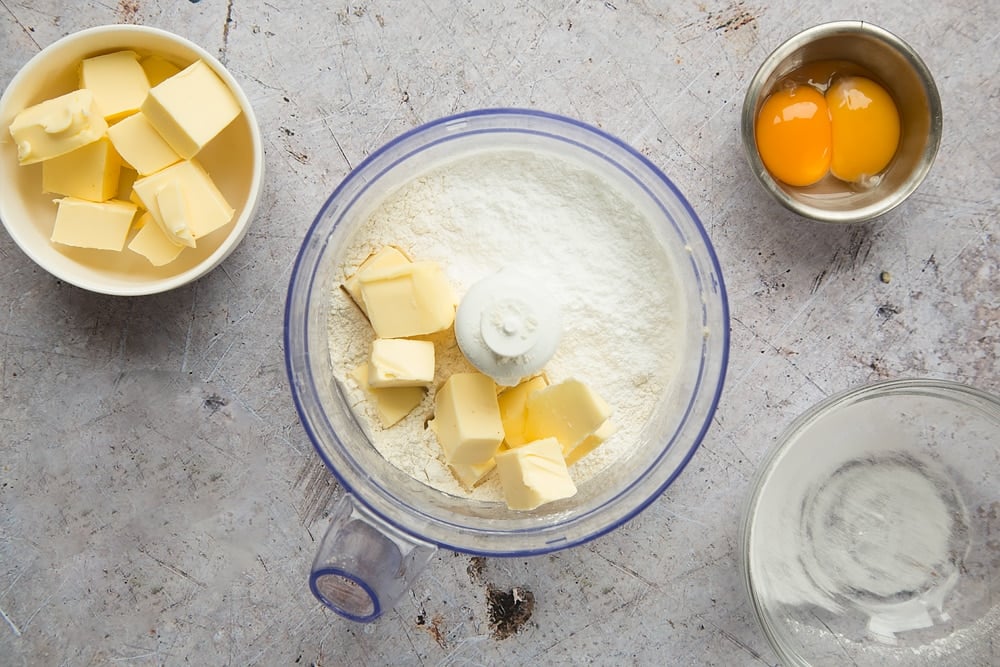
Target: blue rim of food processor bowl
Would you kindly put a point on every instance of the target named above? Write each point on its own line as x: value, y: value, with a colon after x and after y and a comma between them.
x: 292, y: 332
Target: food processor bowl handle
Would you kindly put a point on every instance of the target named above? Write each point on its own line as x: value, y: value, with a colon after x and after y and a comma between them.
x: 364, y: 565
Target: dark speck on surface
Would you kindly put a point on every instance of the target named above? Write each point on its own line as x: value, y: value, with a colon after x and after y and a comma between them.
x: 508, y: 610
x: 214, y: 402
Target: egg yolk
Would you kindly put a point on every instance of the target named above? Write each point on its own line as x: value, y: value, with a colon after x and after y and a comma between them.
x: 794, y: 135
x: 865, y: 126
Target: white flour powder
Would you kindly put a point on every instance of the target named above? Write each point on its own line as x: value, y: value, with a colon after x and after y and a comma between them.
x: 578, y: 239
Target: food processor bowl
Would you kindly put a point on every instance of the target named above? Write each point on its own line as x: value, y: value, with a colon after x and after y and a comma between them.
x: 389, y: 524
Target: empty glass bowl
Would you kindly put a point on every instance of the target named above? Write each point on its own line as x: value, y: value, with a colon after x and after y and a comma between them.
x: 872, y: 532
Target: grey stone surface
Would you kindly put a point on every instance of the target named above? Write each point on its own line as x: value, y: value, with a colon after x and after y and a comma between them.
x: 160, y: 502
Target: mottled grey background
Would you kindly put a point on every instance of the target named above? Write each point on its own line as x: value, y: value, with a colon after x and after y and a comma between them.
x: 159, y: 501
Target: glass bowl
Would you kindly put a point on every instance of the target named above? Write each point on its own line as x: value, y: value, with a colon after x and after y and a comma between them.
x: 403, y: 505
x: 872, y: 532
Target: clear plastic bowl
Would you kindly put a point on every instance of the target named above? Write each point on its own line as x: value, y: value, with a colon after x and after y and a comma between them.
x: 872, y: 531
x: 412, y: 511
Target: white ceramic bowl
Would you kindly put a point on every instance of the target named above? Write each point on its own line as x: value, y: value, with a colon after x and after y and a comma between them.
x: 234, y: 159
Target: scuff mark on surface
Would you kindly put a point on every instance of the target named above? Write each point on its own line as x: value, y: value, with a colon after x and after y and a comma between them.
x: 225, y: 30
x: 732, y: 18
x: 475, y: 570
x: 128, y: 11
x: 318, y: 488
x: 434, y: 629
x: 508, y: 610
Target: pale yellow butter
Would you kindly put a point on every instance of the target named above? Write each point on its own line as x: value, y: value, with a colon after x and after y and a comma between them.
x: 401, y: 362
x: 190, y: 108
x: 388, y: 256
x: 90, y: 172
x: 467, y: 418
x: 141, y: 146
x: 152, y: 243
x: 392, y: 403
x: 126, y: 177
x: 471, y: 474
x: 591, y: 442
x: 157, y: 69
x: 87, y: 224
x: 175, y: 216
x: 534, y: 474
x: 208, y: 209
x: 568, y: 411
x: 117, y: 81
x: 408, y: 300
x: 57, y: 126
x: 512, y: 408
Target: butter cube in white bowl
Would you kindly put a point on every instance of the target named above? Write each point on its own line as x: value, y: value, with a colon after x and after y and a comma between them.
x: 96, y: 157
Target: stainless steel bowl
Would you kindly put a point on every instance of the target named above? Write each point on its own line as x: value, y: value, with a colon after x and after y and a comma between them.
x: 900, y: 70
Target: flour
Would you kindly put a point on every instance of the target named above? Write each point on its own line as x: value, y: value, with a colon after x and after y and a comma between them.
x: 572, y: 234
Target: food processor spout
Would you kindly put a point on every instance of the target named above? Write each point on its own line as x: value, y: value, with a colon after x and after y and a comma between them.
x: 364, y: 565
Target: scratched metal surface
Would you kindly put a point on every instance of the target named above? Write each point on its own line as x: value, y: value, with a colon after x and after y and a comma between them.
x: 159, y: 501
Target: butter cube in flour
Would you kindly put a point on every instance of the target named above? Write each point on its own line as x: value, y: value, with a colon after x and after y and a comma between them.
x: 90, y: 172
x: 534, y: 474
x: 208, y: 210
x: 152, y: 243
x: 57, y: 126
x: 591, y: 442
x: 391, y: 403
x: 467, y: 418
x: 408, y: 300
x: 117, y: 81
x: 512, y: 408
x: 471, y: 474
x: 87, y: 224
x: 401, y: 362
x: 190, y: 108
x: 386, y: 257
x: 569, y: 412
x: 141, y: 146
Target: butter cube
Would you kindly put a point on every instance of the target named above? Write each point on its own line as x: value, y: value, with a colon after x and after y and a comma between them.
x: 126, y: 177
x: 89, y: 172
x: 392, y: 403
x: 57, y: 126
x: 408, y: 300
x: 190, y: 108
x: 157, y: 69
x: 534, y: 474
x: 141, y: 146
x: 471, y: 474
x: 591, y: 442
x: 386, y: 257
x: 207, y: 208
x: 467, y: 418
x: 512, y: 408
x: 401, y: 362
x: 152, y: 243
x: 568, y: 411
x: 117, y: 81
x: 175, y: 216
x: 87, y: 224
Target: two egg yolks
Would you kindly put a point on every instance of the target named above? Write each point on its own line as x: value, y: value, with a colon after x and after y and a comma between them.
x: 851, y: 132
